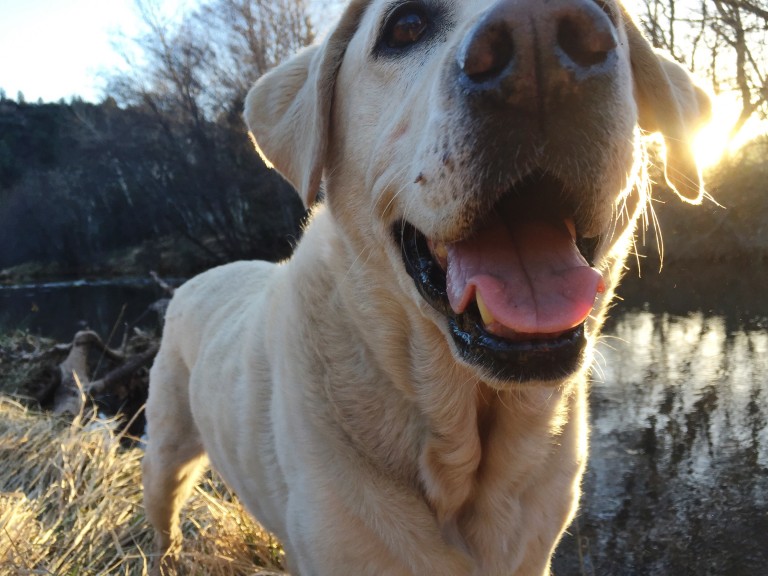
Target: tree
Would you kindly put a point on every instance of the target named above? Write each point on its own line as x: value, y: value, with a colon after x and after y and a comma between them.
x: 741, y: 26
x: 724, y: 40
x: 193, y: 82
x: 253, y: 36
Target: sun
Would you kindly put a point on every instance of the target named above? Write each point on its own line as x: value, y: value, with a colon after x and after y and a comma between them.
x: 714, y: 140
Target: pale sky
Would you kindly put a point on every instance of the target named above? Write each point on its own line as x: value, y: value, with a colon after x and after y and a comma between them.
x: 54, y: 49
x: 51, y: 49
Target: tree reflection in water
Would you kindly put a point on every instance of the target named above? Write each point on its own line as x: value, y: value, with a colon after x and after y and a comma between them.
x: 677, y: 481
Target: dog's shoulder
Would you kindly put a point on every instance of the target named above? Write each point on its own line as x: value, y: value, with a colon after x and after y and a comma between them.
x: 224, y: 281
x: 218, y: 294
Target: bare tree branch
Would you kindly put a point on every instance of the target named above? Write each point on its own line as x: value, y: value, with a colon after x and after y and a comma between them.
x: 735, y: 33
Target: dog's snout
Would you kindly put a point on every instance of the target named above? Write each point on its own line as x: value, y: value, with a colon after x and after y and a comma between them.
x: 520, y: 47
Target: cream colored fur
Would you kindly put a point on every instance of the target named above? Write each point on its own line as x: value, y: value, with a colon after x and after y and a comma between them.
x: 325, y: 390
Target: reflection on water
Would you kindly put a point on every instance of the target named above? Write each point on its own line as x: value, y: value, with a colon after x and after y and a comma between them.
x: 677, y: 481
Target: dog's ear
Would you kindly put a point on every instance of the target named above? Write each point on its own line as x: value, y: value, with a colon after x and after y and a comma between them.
x: 288, y: 109
x: 669, y: 102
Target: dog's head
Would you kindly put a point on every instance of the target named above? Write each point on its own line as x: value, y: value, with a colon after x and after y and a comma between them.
x: 489, y: 148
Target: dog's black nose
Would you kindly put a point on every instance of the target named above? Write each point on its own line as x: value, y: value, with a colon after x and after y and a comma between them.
x: 522, y: 50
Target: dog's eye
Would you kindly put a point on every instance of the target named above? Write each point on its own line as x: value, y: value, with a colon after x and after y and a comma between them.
x: 405, y: 26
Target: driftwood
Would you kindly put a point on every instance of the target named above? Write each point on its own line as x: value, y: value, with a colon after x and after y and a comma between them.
x: 121, y: 390
x: 130, y: 366
x: 162, y: 283
x: 75, y: 374
x: 87, y: 374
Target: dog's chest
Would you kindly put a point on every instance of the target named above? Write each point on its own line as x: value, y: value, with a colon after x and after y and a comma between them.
x: 525, y: 488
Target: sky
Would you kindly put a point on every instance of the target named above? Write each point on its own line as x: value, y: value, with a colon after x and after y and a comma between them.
x: 53, y: 49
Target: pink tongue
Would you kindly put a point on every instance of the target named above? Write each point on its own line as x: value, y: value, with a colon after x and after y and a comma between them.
x: 530, y: 276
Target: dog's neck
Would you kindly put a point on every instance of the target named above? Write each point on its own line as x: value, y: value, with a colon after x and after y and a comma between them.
x: 487, y: 455
x: 474, y: 427
x: 487, y: 459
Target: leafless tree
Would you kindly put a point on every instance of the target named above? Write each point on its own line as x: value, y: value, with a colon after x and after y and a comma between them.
x: 742, y: 27
x: 253, y: 36
x: 724, y: 40
x: 192, y: 75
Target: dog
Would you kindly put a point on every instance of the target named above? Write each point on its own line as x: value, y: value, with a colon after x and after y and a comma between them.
x: 407, y: 395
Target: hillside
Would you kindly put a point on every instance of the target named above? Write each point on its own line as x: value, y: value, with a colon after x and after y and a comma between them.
x: 79, y: 181
x: 732, y: 224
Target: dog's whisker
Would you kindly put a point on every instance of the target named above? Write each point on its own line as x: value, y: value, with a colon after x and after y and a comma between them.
x: 354, y: 262
x: 608, y: 337
x: 598, y: 364
x: 394, y: 177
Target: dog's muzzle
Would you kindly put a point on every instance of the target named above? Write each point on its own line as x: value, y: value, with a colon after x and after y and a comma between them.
x: 515, y: 293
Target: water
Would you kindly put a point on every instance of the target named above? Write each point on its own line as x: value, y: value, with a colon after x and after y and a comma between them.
x: 59, y: 309
x: 678, y: 472
x: 677, y: 481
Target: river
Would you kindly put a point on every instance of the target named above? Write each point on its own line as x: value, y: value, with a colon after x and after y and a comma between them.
x: 677, y: 482
x: 59, y: 309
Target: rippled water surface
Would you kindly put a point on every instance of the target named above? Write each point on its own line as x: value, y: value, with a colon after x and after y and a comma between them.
x: 59, y: 309
x: 678, y: 474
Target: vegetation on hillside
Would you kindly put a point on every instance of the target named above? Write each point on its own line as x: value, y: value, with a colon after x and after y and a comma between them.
x: 79, y: 180
x: 166, y: 155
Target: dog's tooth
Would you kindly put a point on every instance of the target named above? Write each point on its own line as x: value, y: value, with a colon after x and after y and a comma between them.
x: 571, y: 225
x: 440, y: 252
x: 485, y: 314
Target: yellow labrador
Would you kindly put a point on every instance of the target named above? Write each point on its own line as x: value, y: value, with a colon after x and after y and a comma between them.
x: 407, y: 394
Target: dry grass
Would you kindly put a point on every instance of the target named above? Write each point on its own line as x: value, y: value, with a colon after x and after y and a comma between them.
x: 70, y: 504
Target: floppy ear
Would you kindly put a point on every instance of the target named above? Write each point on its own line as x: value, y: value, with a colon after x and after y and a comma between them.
x: 288, y: 109
x: 670, y: 103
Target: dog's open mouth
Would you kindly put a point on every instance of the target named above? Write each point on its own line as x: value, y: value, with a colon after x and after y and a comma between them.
x: 517, y: 292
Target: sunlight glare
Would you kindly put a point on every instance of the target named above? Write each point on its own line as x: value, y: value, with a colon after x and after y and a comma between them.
x: 713, y: 140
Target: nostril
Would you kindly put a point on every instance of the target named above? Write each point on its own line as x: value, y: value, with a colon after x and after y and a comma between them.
x: 583, y: 40
x: 486, y: 53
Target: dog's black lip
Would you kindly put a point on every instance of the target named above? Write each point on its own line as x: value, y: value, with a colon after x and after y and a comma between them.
x: 500, y: 358
x: 517, y: 361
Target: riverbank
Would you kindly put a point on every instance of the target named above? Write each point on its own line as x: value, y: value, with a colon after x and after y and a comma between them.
x: 169, y: 257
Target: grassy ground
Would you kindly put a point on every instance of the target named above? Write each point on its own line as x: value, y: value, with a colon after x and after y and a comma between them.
x: 70, y: 491
x: 71, y: 504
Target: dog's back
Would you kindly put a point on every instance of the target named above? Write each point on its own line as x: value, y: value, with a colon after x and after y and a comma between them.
x: 205, y: 342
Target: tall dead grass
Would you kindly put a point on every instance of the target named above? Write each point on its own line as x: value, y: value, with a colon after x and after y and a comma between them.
x: 70, y: 503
